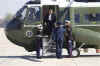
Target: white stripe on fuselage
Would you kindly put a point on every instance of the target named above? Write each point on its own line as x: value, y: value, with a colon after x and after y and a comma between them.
x: 87, y: 25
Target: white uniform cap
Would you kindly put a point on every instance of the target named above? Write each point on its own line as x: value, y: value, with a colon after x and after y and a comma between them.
x: 67, y: 21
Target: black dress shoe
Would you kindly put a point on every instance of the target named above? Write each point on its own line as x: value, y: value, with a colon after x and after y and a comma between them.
x: 38, y: 57
x: 59, y: 57
x: 69, y: 56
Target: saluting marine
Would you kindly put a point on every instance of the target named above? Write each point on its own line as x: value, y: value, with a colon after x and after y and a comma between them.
x: 69, y: 37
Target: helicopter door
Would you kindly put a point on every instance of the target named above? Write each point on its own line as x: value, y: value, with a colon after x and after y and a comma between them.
x: 45, y: 12
x: 32, y: 19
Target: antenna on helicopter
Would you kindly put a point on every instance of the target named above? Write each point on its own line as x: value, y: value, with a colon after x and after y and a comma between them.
x: 66, y: 10
x: 70, y: 3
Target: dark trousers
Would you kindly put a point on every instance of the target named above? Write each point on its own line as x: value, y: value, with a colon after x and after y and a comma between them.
x: 38, y: 53
x: 69, y: 47
x: 38, y: 46
x: 59, y: 45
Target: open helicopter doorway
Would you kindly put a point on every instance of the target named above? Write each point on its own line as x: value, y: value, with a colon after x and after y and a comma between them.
x: 45, y: 12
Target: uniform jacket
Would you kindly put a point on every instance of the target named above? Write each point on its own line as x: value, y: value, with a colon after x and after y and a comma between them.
x: 69, y: 32
x: 58, y: 33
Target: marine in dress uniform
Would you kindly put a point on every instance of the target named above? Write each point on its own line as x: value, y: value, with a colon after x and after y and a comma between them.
x: 58, y: 37
x: 69, y: 37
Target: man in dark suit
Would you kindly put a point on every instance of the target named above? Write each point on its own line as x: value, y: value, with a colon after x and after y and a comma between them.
x: 49, y: 21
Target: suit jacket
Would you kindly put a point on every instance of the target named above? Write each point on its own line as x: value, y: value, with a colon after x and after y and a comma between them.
x: 48, y: 25
x: 49, y: 22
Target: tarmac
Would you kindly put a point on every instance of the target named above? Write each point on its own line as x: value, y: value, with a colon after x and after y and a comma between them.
x: 13, y: 55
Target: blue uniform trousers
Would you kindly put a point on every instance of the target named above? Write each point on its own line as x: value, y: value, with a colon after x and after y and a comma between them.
x: 58, y: 37
x: 59, y: 45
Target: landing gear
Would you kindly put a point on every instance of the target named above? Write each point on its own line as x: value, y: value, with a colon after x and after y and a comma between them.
x: 75, y: 52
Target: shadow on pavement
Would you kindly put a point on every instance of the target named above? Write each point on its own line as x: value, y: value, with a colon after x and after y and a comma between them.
x: 66, y: 56
x: 89, y: 55
x: 30, y: 58
x: 33, y: 58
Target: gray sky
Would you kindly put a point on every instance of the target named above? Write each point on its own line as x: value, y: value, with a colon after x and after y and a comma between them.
x: 10, y: 6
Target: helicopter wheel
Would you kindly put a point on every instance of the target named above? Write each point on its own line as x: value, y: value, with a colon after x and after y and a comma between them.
x: 75, y: 52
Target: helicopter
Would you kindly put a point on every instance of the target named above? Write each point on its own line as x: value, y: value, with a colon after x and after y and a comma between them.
x: 84, y: 17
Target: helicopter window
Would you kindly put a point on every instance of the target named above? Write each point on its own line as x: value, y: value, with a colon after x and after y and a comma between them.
x: 77, y: 18
x: 34, y: 14
x: 33, y: 2
x: 92, y: 17
x: 93, y: 0
x: 81, y: 0
x: 21, y: 13
x: 53, y: 0
x: 87, y: 0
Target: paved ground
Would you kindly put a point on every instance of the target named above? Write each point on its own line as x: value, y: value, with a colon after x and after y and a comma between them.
x: 12, y: 55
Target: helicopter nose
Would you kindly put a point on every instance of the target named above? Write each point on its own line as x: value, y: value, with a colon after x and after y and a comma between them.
x: 14, y: 24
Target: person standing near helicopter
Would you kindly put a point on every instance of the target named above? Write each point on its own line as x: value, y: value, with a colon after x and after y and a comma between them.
x: 69, y: 37
x: 58, y: 37
x: 49, y: 21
